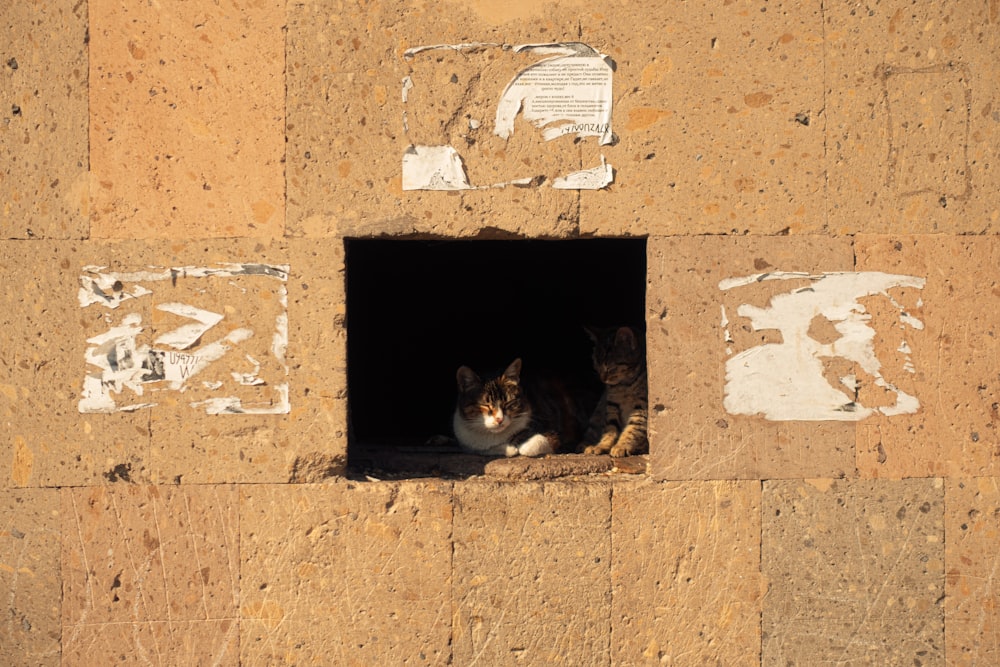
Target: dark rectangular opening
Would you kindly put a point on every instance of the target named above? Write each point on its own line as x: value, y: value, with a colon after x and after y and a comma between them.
x: 419, y: 309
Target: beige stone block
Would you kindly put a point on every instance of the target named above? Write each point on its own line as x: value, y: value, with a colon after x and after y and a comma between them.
x: 855, y: 572
x: 692, y: 434
x: 686, y: 583
x: 345, y: 573
x: 532, y: 567
x: 953, y: 357
x: 43, y: 122
x: 346, y: 133
x: 719, y: 112
x: 46, y: 440
x: 30, y: 542
x: 913, y: 118
x: 972, y: 600
x: 186, y: 120
x: 150, y: 571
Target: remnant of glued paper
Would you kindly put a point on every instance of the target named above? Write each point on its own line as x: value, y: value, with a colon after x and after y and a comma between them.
x: 433, y: 168
x: 594, y: 178
x: 568, y: 93
x: 124, y: 364
x: 785, y: 381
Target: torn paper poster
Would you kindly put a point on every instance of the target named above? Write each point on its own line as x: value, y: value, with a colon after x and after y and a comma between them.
x: 565, y: 91
x: 568, y: 94
x: 220, y: 338
x: 433, y: 168
x: 791, y: 379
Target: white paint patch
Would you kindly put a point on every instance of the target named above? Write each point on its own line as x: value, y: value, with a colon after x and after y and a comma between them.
x: 122, y: 362
x: 785, y: 381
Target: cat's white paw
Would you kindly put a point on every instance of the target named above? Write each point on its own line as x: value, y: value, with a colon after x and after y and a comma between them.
x: 511, y: 450
x: 536, y: 445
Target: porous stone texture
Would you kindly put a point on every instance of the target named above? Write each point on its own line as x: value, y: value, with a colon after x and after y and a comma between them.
x: 685, y: 574
x: 720, y: 163
x: 854, y: 572
x: 186, y: 120
x: 30, y: 544
x: 912, y: 117
x: 345, y: 573
x: 43, y: 120
x: 954, y: 357
x: 45, y: 439
x: 972, y: 598
x: 150, y: 574
x: 531, y: 566
x: 692, y: 435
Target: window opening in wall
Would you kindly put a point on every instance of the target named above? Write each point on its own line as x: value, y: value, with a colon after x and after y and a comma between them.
x: 418, y: 310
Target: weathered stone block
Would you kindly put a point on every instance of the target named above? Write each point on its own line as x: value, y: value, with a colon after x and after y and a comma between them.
x: 954, y: 359
x: 531, y: 572
x: 912, y: 117
x: 719, y: 111
x: 855, y: 572
x: 31, y: 631
x: 50, y: 443
x: 686, y: 583
x: 186, y: 120
x: 160, y: 561
x: 43, y: 123
x: 692, y: 434
x: 345, y: 573
x: 351, y: 118
x: 972, y: 600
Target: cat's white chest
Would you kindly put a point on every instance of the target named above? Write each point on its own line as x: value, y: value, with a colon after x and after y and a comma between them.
x: 486, y: 436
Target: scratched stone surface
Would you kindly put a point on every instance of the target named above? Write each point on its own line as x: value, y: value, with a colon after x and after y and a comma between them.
x: 955, y: 359
x: 43, y: 120
x: 186, y: 120
x: 150, y: 574
x: 346, y: 573
x: 912, y: 117
x: 30, y: 543
x: 346, y: 135
x: 692, y: 436
x: 972, y: 602
x: 854, y: 572
x: 531, y: 573
x: 46, y: 440
x: 685, y: 575
x: 720, y: 117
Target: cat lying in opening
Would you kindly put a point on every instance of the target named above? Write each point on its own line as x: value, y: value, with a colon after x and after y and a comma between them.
x: 510, y: 416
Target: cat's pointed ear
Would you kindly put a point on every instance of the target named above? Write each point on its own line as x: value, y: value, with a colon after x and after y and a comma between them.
x: 513, y: 371
x: 626, y: 338
x: 467, y: 379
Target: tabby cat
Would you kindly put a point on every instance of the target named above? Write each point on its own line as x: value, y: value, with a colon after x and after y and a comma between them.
x: 506, y: 416
x: 619, y: 423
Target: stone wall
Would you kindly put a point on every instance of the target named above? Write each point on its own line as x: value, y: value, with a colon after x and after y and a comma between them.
x: 177, y: 184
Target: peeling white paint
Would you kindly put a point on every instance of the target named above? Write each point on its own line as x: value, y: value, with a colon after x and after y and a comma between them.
x: 785, y: 381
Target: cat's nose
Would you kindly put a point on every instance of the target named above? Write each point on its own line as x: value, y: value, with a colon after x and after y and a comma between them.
x: 498, y: 417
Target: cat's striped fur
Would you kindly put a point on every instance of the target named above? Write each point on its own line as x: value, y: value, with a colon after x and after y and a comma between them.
x: 618, y: 426
x: 508, y: 416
